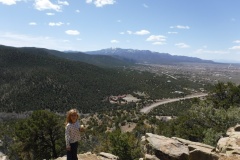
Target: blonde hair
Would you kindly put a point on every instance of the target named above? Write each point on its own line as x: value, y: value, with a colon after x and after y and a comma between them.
x: 69, y: 113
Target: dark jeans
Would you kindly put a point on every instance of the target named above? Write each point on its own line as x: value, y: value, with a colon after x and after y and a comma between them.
x: 72, y: 154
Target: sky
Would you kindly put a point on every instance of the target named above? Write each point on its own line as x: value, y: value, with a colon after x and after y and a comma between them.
x: 207, y: 29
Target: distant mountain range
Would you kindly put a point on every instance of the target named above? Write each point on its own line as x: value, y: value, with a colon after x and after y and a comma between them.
x: 146, y: 56
x: 117, y: 57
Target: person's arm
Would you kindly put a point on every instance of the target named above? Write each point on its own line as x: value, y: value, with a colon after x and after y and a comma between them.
x: 67, y: 138
x: 78, y: 124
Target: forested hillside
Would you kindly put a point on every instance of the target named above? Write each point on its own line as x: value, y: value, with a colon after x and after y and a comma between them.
x: 33, y: 79
x: 105, y: 61
x: 196, y: 120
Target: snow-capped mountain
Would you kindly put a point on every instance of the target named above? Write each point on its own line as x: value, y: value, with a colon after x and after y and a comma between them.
x: 146, y: 56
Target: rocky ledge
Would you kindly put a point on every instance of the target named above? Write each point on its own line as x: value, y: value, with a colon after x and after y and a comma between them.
x: 156, y: 147
x: 91, y: 156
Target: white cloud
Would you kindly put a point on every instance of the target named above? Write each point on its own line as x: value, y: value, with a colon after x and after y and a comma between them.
x: 182, y: 45
x: 9, y: 2
x: 156, y: 38
x: 72, y: 32
x: 180, y: 27
x: 235, y: 48
x: 144, y: 5
x: 79, y: 39
x: 119, y: 21
x: 32, y: 23
x: 50, y: 14
x: 78, y: 11
x: 183, y: 27
x: 55, y: 24
x: 88, y: 1
x: 172, y: 32
x: 63, y: 3
x: 114, y: 41
x: 237, y: 41
x: 142, y: 32
x: 101, y: 3
x: 46, y: 4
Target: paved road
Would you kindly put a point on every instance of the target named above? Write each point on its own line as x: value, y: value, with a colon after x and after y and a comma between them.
x: 147, y: 109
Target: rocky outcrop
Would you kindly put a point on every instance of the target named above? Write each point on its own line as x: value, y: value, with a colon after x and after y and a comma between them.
x: 230, y: 145
x: 164, y: 148
x: 91, y: 156
x: 2, y: 156
x: 199, y: 151
x: 151, y: 157
x: 158, y: 147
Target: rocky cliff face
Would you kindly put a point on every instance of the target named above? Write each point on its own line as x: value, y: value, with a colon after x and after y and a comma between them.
x: 230, y: 145
x: 156, y: 147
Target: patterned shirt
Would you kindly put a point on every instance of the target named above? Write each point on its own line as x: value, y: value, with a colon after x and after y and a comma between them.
x: 72, y: 133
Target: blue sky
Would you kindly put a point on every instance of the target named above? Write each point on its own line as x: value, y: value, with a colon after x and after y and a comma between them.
x: 208, y: 29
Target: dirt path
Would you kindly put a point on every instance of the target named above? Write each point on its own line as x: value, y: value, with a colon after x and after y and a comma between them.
x: 147, y: 109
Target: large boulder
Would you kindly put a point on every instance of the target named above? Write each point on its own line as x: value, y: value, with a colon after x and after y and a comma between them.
x: 3, y: 156
x: 164, y: 148
x: 230, y: 145
x: 157, y: 147
x: 199, y: 151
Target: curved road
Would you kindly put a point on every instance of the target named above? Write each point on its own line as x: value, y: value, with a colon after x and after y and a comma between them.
x: 147, y: 109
